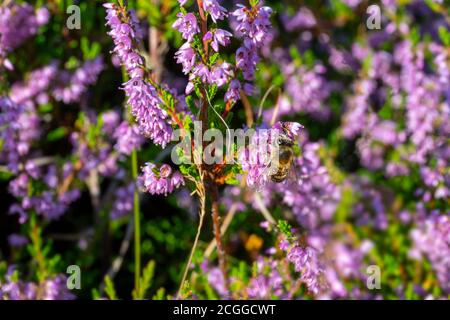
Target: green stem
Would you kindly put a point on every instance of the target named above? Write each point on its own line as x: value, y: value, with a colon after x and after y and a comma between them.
x: 136, y: 211
x: 137, y: 224
x: 188, y: 264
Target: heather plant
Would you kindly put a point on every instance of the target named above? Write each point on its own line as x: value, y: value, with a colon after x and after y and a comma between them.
x: 207, y: 149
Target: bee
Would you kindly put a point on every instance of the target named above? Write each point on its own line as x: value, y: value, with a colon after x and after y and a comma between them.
x: 283, y: 163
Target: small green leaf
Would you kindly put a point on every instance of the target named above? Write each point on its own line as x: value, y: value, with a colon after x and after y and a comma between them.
x: 56, y: 134
x: 191, y: 104
x: 213, y: 58
x: 444, y: 34
x: 109, y: 288
x: 160, y: 294
x: 145, y: 281
x: 285, y: 228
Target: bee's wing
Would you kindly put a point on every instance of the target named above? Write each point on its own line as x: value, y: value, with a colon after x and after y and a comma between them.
x: 293, y: 175
x: 311, y: 175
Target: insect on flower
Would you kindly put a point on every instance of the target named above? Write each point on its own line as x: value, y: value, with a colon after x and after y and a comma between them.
x: 284, y: 160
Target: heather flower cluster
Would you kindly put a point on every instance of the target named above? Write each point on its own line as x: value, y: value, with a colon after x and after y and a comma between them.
x: 54, y: 288
x: 192, y: 58
x: 100, y: 156
x: 123, y: 202
x: 70, y: 87
x: 330, y: 175
x: 128, y: 138
x: 143, y: 98
x: 161, y: 180
x: 62, y: 85
x: 258, y: 158
x: 306, y: 263
x: 432, y: 239
x: 19, y: 127
x: 18, y: 22
x: 253, y: 26
x: 267, y: 282
x: 420, y: 140
x: 306, y: 90
x: 312, y: 195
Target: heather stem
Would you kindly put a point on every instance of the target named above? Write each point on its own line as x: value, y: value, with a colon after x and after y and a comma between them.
x: 210, y: 180
x: 194, y: 246
x: 137, y: 224
x: 217, y: 235
x: 136, y: 210
x: 204, y: 24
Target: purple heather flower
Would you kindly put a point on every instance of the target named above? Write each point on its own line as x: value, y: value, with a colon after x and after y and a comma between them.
x: 268, y: 282
x: 51, y: 177
x: 291, y: 129
x: 306, y: 262
x: 253, y: 24
x: 217, y: 37
x: 256, y: 159
x: 18, y: 22
x: 432, y: 239
x: 216, y: 11
x: 111, y: 120
x: 202, y: 71
x: 246, y: 60
x: 311, y: 195
x: 52, y: 288
x: 18, y: 187
x: 61, y: 84
x: 70, y: 87
x: 128, y: 138
x: 352, y: 3
x: 306, y: 90
x: 19, y: 127
x: 186, y: 57
x: 160, y: 181
x: 190, y: 86
x: 354, y: 118
x: 143, y: 98
x: 123, y: 203
x: 215, y: 278
x: 17, y: 240
x: 186, y: 25
x: 232, y: 196
x: 100, y: 156
x: 341, y: 60
x: 304, y: 18
x: 248, y: 88
x: 221, y: 74
x: 233, y: 92
x: 36, y: 86
x: 48, y: 206
x: 56, y: 289
x: 145, y: 105
x: 17, y: 209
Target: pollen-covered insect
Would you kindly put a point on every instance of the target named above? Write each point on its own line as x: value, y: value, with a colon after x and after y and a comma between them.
x: 283, y: 161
